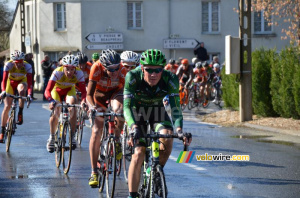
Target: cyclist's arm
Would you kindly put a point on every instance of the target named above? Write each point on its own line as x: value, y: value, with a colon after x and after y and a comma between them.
x: 48, y: 90
x: 190, y: 75
x: 174, y: 100
x: 4, y: 81
x: 129, y: 98
x: 81, y: 83
x: 90, y: 93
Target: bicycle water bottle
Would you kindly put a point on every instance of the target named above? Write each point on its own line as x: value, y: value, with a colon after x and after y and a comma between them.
x: 148, y: 171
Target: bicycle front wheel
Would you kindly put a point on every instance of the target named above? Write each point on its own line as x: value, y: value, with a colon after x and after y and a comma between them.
x: 66, y: 147
x: 58, y: 142
x: 158, y: 183
x: 127, y: 151
x: 9, y: 132
x: 110, y: 161
x: 80, y: 127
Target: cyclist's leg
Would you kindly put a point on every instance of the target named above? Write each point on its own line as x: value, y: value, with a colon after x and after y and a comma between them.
x: 117, y: 107
x: 22, y: 87
x: 137, y: 158
x: 53, y: 122
x: 71, y: 99
x: 163, y: 124
x: 94, y: 147
x: 7, y: 102
x: 135, y: 166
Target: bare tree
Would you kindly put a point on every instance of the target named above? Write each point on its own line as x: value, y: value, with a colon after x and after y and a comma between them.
x: 288, y: 10
x: 5, y: 22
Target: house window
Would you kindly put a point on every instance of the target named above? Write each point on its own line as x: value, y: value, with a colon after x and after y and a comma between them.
x: 261, y: 24
x: 211, y: 17
x: 60, y: 16
x: 134, y: 15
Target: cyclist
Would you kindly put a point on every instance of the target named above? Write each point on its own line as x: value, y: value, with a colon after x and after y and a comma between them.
x: 95, y: 57
x: 216, y: 81
x: 129, y: 60
x: 209, y: 72
x: 172, y: 67
x: 17, y: 75
x: 107, y: 80
x: 85, y: 66
x: 185, y: 76
x: 201, y: 78
x: 144, y: 90
x: 61, y: 86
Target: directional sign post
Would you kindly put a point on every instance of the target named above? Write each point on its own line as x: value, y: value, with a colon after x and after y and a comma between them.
x: 116, y: 46
x: 105, y: 37
x: 180, y: 43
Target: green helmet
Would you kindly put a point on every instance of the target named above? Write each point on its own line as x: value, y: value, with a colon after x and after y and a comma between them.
x: 153, y: 57
x: 95, y: 56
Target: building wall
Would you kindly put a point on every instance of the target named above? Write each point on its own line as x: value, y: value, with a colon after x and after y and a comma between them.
x: 161, y: 18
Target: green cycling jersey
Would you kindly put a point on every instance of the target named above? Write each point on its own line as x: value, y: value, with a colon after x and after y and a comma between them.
x: 140, y: 96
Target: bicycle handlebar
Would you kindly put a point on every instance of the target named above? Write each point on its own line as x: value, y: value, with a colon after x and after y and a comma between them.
x: 65, y: 105
x: 16, y: 97
x: 97, y: 114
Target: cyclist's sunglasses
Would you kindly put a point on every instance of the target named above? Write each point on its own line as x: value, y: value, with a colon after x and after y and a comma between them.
x: 113, y: 70
x: 150, y: 71
x: 130, y: 66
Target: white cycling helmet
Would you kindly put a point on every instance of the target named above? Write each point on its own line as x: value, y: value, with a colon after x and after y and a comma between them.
x: 130, y: 56
x: 17, y: 56
x: 216, y: 65
x: 70, y: 61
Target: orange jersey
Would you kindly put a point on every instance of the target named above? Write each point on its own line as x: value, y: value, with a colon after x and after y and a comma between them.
x: 199, y: 74
x: 104, y: 82
x: 172, y: 69
x: 87, y: 71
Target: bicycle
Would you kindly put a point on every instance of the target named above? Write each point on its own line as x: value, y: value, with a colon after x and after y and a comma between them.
x: 152, y: 169
x: 11, y: 125
x: 126, y: 150
x: 80, y: 123
x: 216, y: 93
x: 107, y: 163
x: 183, y: 94
x: 63, y: 138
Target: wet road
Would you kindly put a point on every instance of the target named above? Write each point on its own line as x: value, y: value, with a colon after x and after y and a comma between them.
x: 28, y: 170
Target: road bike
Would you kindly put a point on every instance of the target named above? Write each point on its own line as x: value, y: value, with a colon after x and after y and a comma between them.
x: 80, y: 123
x: 126, y: 150
x: 153, y: 178
x: 107, y: 165
x: 11, y: 125
x: 63, y: 137
x: 216, y: 91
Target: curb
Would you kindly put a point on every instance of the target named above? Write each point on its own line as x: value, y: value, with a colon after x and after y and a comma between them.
x: 271, y: 129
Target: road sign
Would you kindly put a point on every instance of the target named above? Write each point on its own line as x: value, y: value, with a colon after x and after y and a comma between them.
x: 180, y: 43
x: 27, y: 41
x: 105, y: 37
x: 115, y: 46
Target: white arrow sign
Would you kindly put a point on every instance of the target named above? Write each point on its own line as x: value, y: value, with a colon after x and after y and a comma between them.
x: 180, y: 43
x: 105, y: 37
x: 106, y: 46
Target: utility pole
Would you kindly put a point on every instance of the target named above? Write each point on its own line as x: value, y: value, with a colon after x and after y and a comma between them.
x: 245, y: 87
x: 22, y: 18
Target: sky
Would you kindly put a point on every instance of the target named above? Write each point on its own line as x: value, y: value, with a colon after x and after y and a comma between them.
x: 10, y: 3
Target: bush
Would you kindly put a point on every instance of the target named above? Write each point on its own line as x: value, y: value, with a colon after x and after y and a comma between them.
x: 230, y: 90
x: 261, y: 77
x: 288, y: 60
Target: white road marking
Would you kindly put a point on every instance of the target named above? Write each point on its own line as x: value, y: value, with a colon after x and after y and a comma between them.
x: 189, y: 165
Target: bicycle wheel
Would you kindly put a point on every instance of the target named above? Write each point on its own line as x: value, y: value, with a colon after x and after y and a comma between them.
x: 66, y: 149
x: 110, y: 161
x: 101, y: 174
x: 80, y: 127
x: 191, y: 103
x: 158, y: 179
x: 9, y: 132
x: 58, y: 152
x: 127, y: 151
